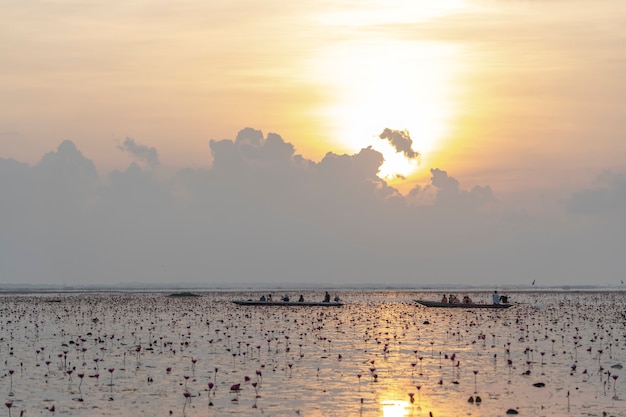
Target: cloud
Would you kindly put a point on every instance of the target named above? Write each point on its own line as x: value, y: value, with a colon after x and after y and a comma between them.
x: 608, y: 194
x: 445, y: 192
x: 141, y: 152
x: 401, y: 141
x: 263, y: 214
x: 64, y: 177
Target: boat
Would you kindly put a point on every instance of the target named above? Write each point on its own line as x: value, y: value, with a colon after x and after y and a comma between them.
x: 428, y: 303
x: 288, y: 303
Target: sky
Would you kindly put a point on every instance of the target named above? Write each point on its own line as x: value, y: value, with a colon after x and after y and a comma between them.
x: 469, y: 142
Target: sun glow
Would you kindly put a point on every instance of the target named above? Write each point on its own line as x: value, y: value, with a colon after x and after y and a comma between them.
x: 399, y: 85
x: 378, y: 73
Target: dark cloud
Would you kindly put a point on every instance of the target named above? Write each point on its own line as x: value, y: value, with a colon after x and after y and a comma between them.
x: 401, y: 141
x: 141, y: 152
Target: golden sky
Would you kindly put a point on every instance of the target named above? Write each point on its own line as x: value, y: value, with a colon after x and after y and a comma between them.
x: 514, y: 94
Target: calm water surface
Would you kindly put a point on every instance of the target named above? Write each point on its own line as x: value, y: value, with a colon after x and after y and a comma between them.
x: 130, y: 354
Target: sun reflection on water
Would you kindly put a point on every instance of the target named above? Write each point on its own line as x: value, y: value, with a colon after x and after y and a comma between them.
x: 392, y: 406
x: 395, y: 408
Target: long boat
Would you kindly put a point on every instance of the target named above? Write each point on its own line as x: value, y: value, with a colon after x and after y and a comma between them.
x: 439, y: 304
x: 288, y: 303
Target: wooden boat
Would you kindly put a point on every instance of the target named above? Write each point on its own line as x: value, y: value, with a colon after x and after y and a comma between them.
x: 288, y: 303
x: 427, y: 303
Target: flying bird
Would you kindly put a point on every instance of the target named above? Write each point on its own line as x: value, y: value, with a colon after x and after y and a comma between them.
x: 533, y: 282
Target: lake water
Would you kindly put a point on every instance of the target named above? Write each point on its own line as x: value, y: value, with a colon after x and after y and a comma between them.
x: 148, y: 354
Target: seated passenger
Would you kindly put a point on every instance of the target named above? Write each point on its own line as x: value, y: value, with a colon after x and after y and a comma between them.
x: 496, y: 297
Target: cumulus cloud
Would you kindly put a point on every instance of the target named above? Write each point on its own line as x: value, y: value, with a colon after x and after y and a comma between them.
x: 142, y: 153
x: 401, y: 141
x: 445, y: 191
x: 607, y: 194
x: 263, y: 215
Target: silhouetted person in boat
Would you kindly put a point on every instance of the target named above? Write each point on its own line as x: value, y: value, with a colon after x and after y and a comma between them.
x: 327, y: 297
x: 301, y: 299
x: 269, y: 297
x: 262, y: 298
x: 337, y: 299
x: 444, y: 299
x: 285, y: 298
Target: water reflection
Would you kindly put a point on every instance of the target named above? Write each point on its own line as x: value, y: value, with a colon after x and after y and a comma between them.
x: 186, y: 355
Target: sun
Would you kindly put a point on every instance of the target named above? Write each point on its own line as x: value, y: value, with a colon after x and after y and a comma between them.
x: 377, y: 81
x: 396, y: 85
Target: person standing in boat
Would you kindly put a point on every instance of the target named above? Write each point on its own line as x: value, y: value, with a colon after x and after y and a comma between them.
x: 444, y: 299
x: 301, y: 299
x: 496, y: 297
x: 327, y: 297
